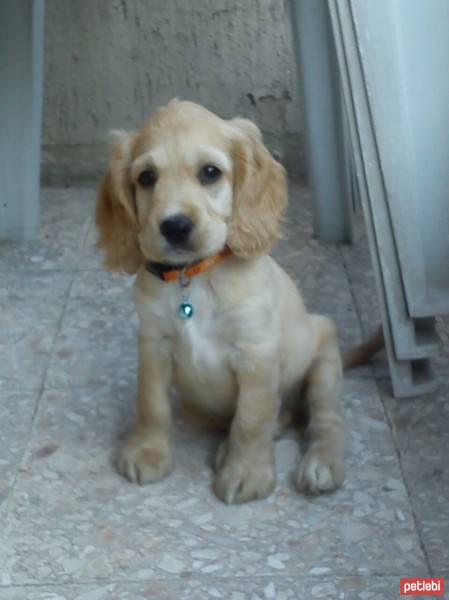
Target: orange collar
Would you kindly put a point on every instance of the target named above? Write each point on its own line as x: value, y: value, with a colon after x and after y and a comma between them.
x: 176, y: 272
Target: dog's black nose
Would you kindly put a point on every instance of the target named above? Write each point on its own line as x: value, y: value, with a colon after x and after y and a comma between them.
x: 176, y: 229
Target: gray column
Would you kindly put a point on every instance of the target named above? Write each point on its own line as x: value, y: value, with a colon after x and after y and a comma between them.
x: 21, y: 77
x: 328, y: 157
x: 392, y: 56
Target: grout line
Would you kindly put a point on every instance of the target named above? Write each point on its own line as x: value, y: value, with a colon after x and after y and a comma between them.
x: 43, y: 271
x: 204, y: 577
x: 86, y: 229
x: 88, y: 385
x: 40, y: 391
x: 6, y: 505
x: 53, y: 346
x: 398, y: 452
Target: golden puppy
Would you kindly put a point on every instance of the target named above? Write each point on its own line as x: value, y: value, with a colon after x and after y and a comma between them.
x: 193, y: 203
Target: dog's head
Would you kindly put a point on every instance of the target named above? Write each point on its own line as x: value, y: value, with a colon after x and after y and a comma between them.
x: 184, y: 186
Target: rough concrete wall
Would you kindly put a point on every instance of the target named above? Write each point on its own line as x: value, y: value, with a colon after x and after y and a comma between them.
x: 110, y: 62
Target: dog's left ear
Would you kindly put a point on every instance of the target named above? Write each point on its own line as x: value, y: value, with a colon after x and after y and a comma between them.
x: 260, y: 193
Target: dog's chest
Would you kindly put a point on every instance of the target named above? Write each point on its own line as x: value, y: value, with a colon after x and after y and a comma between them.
x: 199, y: 344
x: 201, y: 352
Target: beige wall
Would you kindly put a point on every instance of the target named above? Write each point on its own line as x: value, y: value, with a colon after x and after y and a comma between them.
x: 110, y: 62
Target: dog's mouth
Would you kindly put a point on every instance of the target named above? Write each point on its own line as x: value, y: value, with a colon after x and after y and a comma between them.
x: 187, y: 253
x: 177, y: 254
x: 179, y: 249
x: 157, y: 249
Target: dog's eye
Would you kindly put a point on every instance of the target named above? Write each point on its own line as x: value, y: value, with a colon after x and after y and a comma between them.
x: 147, y: 178
x: 209, y: 174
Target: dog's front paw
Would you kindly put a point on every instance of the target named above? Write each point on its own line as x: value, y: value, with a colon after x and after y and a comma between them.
x: 240, y: 481
x: 145, y: 457
x: 320, y: 472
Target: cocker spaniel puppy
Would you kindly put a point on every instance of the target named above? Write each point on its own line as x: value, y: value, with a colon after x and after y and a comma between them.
x: 193, y: 203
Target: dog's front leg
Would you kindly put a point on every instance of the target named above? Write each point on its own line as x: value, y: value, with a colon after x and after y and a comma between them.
x: 245, y: 460
x: 146, y: 454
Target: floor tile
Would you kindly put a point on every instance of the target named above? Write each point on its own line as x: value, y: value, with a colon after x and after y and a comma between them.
x: 421, y: 427
x: 16, y: 414
x: 317, y: 269
x: 31, y: 305
x: 74, y: 519
x: 97, y: 341
x: 66, y: 214
x: 74, y: 529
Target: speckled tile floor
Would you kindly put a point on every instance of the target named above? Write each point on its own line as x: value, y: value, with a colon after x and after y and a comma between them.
x: 71, y: 528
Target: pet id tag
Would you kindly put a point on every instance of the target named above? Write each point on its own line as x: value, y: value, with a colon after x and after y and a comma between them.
x: 185, y: 309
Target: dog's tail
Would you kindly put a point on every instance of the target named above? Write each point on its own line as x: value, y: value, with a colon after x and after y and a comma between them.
x: 361, y: 354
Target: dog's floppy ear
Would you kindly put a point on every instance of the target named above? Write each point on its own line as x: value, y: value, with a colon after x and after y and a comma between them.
x: 116, y: 217
x: 260, y: 193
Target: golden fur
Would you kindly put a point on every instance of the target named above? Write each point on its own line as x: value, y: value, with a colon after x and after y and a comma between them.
x: 251, y: 349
